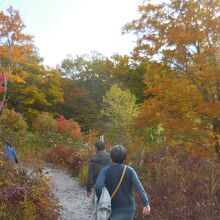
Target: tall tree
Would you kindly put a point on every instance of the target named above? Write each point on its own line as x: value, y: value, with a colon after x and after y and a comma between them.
x: 39, y: 92
x: 129, y: 74
x: 91, y: 72
x: 95, y: 74
x: 120, y: 109
x: 184, y: 36
x: 15, y: 46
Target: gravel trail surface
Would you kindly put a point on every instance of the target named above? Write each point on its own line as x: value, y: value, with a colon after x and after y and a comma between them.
x: 70, y: 194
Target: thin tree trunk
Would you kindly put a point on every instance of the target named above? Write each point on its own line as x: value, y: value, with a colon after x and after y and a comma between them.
x: 5, y: 90
x: 216, y: 126
x: 216, y: 130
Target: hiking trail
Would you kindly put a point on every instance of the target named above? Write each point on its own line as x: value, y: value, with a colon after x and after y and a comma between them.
x: 70, y: 194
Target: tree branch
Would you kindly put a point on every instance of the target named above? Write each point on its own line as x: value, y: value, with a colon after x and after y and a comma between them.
x: 201, y: 89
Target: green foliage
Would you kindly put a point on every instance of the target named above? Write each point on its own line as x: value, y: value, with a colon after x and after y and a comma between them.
x: 13, y: 121
x: 147, y: 138
x: 83, y: 171
x: 129, y: 74
x: 90, y: 72
x: 120, y: 108
x: 45, y: 124
x: 95, y: 74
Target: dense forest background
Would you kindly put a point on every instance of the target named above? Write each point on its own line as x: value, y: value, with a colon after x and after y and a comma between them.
x: 162, y: 102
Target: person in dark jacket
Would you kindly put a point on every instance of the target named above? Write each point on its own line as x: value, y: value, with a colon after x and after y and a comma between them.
x: 122, y: 204
x: 97, y: 162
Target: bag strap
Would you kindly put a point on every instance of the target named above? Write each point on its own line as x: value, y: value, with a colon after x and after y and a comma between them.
x: 119, y: 184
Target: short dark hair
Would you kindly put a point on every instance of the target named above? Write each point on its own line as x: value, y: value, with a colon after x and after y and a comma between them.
x: 100, y: 145
x: 118, y: 154
x: 8, y: 143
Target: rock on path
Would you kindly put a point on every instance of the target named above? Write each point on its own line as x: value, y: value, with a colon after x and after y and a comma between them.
x: 70, y: 195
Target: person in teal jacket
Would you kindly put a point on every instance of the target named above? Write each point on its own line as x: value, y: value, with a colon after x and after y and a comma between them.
x: 9, y: 153
x: 122, y: 204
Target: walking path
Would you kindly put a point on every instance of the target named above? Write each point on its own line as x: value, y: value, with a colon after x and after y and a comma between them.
x: 70, y: 195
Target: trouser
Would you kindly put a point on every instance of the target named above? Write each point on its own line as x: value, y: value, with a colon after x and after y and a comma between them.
x: 122, y: 216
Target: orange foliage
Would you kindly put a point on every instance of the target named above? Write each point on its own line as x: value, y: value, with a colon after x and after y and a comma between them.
x: 184, y: 86
x: 15, y: 46
x: 176, y: 104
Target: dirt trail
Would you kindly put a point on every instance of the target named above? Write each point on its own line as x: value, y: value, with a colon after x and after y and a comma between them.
x: 70, y: 195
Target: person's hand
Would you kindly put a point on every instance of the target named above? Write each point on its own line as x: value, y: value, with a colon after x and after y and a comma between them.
x: 88, y: 194
x: 146, y: 210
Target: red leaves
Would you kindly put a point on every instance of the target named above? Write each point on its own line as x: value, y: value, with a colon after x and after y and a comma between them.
x: 2, y: 89
x: 2, y: 78
x: 14, y: 193
x: 69, y: 127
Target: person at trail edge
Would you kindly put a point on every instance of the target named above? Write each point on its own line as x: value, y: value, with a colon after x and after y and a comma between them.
x: 9, y: 153
x: 122, y: 203
x: 97, y: 162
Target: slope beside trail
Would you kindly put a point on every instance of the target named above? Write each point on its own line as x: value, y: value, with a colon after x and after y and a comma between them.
x: 71, y: 196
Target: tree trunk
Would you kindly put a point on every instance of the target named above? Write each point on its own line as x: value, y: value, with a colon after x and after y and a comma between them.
x: 5, y: 90
x: 216, y: 126
x: 216, y: 130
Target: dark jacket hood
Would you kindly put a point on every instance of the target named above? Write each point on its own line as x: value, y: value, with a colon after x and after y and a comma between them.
x: 101, y: 157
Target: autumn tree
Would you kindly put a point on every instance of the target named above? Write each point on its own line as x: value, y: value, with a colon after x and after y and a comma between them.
x: 95, y: 74
x: 45, y: 124
x: 90, y: 72
x: 119, y: 109
x: 129, y: 74
x: 15, y: 46
x: 77, y: 104
x: 40, y: 91
x: 182, y: 36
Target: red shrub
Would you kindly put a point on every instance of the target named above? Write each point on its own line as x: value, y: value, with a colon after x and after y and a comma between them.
x: 69, y: 127
x: 25, y: 197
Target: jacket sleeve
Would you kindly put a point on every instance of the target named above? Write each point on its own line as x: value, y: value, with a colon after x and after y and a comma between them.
x: 14, y: 154
x: 138, y: 186
x: 100, y: 182
x: 90, y: 176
